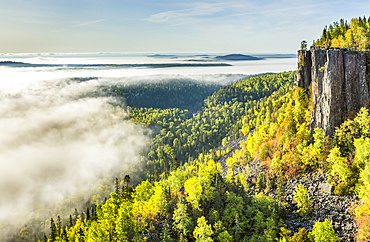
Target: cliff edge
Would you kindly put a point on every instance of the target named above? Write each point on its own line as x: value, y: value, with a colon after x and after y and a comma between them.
x: 337, y: 78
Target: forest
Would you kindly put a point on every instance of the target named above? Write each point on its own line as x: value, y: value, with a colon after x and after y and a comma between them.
x: 353, y: 35
x: 181, y: 195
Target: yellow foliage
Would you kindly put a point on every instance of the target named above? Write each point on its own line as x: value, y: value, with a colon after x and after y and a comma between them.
x: 194, y: 190
x: 230, y: 162
x: 158, y: 199
x: 362, y: 213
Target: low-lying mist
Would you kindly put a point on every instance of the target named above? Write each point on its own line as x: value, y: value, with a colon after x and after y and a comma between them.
x: 57, y: 140
x: 54, y: 143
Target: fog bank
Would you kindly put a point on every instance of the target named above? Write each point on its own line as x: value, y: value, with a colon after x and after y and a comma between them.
x: 53, y: 143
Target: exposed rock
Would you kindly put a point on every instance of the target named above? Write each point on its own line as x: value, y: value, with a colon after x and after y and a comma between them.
x: 303, y: 76
x: 337, y: 77
x: 325, y: 206
x: 325, y: 187
x: 356, y: 88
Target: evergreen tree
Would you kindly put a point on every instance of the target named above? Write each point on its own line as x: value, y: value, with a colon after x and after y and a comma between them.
x: 53, y: 230
x: 59, y: 224
x: 175, y: 163
x: 304, y: 45
x: 166, y: 232
x: 70, y: 221
x: 87, y: 214
x: 117, y: 187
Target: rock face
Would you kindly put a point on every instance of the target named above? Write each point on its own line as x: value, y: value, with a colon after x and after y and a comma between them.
x: 303, y: 76
x: 338, y: 81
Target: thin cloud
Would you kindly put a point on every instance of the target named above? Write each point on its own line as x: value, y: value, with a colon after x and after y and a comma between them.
x: 77, y: 26
x: 198, y: 10
x: 283, y: 9
x: 214, y: 10
x: 89, y: 23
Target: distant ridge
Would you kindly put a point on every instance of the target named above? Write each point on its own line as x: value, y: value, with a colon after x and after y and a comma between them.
x: 237, y: 57
x: 162, y: 56
x: 150, y: 65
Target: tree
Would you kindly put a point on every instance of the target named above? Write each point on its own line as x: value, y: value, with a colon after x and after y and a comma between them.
x: 166, y: 232
x: 194, y: 190
x: 175, y: 163
x: 87, y: 213
x: 182, y: 221
x: 116, y: 186
x: 303, y: 200
x: 97, y: 233
x: 304, y: 45
x: 125, y: 222
x: 70, y: 221
x: 203, y: 231
x: 324, y: 232
x: 53, y: 230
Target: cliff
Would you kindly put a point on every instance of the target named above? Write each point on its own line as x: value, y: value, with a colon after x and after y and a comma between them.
x: 338, y: 81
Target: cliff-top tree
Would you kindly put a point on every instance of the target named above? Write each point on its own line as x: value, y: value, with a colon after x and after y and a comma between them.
x: 304, y: 45
x: 354, y: 35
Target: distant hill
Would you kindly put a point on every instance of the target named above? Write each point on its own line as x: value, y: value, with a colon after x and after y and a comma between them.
x: 162, y: 56
x: 264, y: 56
x: 237, y: 57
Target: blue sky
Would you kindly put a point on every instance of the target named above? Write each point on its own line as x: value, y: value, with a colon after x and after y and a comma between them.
x: 168, y: 26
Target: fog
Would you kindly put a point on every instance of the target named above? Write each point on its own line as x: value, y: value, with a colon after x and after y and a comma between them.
x: 55, y: 141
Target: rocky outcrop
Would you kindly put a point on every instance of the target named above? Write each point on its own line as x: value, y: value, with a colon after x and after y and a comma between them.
x: 325, y: 204
x: 303, y: 75
x: 338, y: 81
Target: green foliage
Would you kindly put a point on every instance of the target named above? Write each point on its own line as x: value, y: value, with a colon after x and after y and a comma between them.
x: 143, y: 191
x: 362, y: 160
x: 167, y: 94
x: 303, y: 200
x: 125, y: 224
x: 260, y: 181
x: 339, y: 167
x: 323, y: 232
x: 224, y: 236
x: 185, y: 136
x: 194, y: 191
x: 166, y: 235
x: 203, y: 231
x: 353, y: 35
x: 182, y: 221
x: 301, y: 236
x: 304, y: 45
x: 189, y: 190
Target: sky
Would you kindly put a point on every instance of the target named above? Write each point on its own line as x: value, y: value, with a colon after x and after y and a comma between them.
x: 168, y: 26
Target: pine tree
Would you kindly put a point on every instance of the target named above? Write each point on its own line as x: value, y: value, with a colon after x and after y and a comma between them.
x: 166, y: 232
x: 156, y: 176
x: 304, y: 45
x: 87, y: 214
x: 260, y: 181
x: 175, y: 163
x: 116, y: 187
x: 59, y: 224
x: 237, y: 227
x: 70, y: 221
x: 53, y: 230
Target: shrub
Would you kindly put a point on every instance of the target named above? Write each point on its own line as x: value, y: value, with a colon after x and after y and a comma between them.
x: 324, y: 232
x: 303, y: 201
